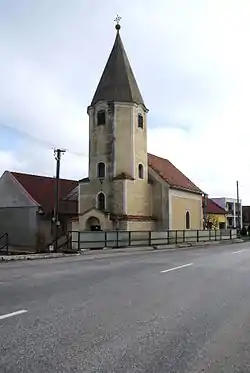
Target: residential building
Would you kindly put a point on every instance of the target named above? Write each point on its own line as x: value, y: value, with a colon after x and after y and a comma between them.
x: 127, y: 188
x: 246, y: 216
x: 233, y: 209
x: 27, y: 204
x: 216, y: 216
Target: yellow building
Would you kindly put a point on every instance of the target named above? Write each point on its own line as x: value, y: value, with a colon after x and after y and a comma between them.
x: 216, y: 216
x: 127, y: 188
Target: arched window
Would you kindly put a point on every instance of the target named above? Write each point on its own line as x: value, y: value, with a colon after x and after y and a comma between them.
x: 187, y: 220
x: 101, y: 201
x: 101, y: 117
x: 101, y: 170
x: 140, y: 171
x: 140, y: 121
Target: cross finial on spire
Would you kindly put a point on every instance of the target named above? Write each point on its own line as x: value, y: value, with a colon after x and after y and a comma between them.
x: 117, y: 20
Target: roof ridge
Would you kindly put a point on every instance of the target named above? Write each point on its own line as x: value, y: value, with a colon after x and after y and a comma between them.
x: 171, y: 174
x: 42, y: 188
x: 166, y: 159
x: 212, y: 207
x: 215, y: 202
x: 43, y: 176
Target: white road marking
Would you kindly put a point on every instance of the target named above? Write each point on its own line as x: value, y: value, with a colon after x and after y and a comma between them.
x: 7, y: 315
x: 239, y: 251
x: 173, y: 269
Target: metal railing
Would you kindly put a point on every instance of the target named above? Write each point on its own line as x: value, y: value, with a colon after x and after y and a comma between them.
x: 64, y: 243
x: 4, y: 244
x: 122, y: 239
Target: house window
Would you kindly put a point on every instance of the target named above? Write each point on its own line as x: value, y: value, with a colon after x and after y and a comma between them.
x: 101, y: 118
x: 140, y: 121
x: 187, y: 220
x: 101, y: 170
x: 101, y: 201
x: 140, y: 171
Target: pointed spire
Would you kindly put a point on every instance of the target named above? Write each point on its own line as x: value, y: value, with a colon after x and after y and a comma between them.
x: 118, y: 82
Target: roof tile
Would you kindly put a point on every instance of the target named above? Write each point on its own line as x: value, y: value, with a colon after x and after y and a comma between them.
x: 214, y: 208
x: 42, y: 188
x: 174, y: 177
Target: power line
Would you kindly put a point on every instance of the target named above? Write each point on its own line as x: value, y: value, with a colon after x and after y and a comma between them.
x: 43, y: 143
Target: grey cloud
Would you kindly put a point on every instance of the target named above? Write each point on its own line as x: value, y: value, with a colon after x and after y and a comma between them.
x: 53, y: 53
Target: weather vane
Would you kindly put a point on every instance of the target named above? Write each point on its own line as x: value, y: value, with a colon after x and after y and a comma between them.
x: 117, y: 20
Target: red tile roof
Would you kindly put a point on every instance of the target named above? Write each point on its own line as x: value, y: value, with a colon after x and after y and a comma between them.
x: 213, y: 208
x: 42, y: 188
x: 174, y: 177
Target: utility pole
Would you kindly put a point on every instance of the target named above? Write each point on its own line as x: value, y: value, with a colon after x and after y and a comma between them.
x: 205, y: 211
x: 238, y: 208
x: 57, y: 154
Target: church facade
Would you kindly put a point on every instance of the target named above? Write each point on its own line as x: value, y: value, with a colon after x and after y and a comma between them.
x: 127, y: 188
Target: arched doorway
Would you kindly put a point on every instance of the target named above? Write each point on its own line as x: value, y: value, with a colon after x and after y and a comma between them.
x: 93, y: 224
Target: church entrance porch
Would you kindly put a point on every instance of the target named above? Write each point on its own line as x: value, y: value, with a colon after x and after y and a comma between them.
x: 93, y: 224
x: 95, y: 220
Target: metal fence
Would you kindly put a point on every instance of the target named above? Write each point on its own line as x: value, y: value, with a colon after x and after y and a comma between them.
x: 123, y: 239
x: 4, y: 244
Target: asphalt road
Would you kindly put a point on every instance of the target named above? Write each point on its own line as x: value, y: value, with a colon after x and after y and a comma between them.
x: 183, y: 311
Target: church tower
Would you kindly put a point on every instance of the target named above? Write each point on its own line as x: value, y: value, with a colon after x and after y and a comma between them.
x: 118, y: 184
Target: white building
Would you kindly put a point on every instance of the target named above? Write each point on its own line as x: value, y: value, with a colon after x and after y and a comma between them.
x: 230, y: 205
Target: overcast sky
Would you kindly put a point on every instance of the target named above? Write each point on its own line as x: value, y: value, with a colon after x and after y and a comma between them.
x: 191, y: 59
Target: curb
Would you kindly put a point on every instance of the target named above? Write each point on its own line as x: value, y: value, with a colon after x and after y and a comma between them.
x: 9, y: 258
x: 187, y: 245
x: 127, y: 250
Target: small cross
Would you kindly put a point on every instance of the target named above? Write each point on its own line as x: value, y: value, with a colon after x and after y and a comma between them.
x: 117, y: 19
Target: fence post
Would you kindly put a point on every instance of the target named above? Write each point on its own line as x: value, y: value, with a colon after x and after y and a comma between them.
x: 176, y: 237
x: 198, y: 237
x: 105, y: 238
x: 7, y: 243
x: 168, y: 237
x: 215, y: 235
x: 209, y: 234
x: 117, y: 239
x: 78, y: 237
x: 69, y: 241
x: 184, y: 235
x: 129, y: 238
x: 149, y: 238
x: 230, y: 234
x: 220, y: 235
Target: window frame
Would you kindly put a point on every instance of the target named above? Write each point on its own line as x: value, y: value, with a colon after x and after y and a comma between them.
x: 98, y: 116
x: 98, y: 201
x: 140, y: 171
x: 99, y: 176
x: 187, y: 220
x: 140, y: 121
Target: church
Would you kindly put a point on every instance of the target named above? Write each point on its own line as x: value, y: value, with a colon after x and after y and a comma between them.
x: 127, y: 188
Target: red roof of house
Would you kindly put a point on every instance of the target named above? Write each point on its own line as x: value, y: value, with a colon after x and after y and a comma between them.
x: 213, y: 208
x: 168, y: 172
x: 42, y: 188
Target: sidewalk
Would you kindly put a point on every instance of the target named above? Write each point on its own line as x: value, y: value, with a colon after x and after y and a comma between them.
x: 8, y: 258
x: 94, y: 254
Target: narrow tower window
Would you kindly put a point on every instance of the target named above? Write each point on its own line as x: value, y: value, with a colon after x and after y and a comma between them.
x: 187, y: 220
x: 101, y: 170
x: 140, y: 121
x: 101, y: 118
x: 140, y: 171
x: 101, y: 201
